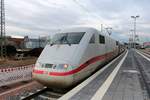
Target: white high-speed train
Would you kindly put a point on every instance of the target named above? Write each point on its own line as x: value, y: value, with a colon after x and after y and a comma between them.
x: 73, y: 55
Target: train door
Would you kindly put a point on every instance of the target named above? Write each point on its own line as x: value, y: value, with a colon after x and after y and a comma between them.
x: 107, y: 47
x: 118, y: 47
x: 102, y: 47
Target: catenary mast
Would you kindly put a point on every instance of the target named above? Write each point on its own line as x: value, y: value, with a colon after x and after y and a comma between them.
x: 2, y: 29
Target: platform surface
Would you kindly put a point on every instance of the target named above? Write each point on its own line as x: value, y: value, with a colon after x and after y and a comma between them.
x: 128, y: 84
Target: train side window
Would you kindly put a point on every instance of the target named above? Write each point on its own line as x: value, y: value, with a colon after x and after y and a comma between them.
x: 101, y: 39
x: 92, y: 39
x: 60, y: 66
x: 117, y: 43
x: 43, y: 65
x: 48, y: 65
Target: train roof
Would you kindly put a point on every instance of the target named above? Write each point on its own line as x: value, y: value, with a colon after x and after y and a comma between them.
x: 78, y: 29
x: 84, y: 29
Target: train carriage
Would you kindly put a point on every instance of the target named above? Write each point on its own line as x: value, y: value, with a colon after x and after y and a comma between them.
x: 73, y: 55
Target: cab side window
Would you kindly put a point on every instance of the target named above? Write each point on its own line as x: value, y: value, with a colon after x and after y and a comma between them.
x: 117, y: 43
x: 92, y: 41
x: 101, y: 39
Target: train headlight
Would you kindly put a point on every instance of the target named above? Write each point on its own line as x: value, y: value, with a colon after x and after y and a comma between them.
x: 66, y: 66
x: 61, y: 66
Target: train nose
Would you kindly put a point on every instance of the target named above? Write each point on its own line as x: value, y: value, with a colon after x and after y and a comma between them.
x: 60, y: 82
x: 49, y: 77
x: 53, y: 81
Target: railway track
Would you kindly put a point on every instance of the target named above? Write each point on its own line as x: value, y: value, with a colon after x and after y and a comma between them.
x: 12, y: 86
x: 44, y: 94
x: 147, y: 54
x: 19, y: 91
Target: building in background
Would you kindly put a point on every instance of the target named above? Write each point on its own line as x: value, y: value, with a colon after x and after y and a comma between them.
x: 16, y: 42
x: 35, y: 43
x: 28, y: 43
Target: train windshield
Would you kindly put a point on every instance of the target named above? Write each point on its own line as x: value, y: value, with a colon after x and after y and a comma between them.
x: 67, y: 38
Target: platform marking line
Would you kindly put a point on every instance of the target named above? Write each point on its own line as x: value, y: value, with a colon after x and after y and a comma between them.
x: 143, y: 55
x: 103, y: 89
x: 75, y: 90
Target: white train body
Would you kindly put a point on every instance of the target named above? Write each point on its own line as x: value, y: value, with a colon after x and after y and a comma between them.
x: 72, y: 56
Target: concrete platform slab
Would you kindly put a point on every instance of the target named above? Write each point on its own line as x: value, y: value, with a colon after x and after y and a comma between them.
x: 127, y: 84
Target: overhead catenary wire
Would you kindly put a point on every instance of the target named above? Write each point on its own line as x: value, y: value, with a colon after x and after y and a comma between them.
x: 89, y: 12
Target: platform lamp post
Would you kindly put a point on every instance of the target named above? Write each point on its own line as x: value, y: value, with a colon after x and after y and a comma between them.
x: 134, y: 17
x: 132, y: 37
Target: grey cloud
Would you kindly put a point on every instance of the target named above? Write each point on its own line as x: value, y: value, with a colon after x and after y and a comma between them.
x: 38, y: 16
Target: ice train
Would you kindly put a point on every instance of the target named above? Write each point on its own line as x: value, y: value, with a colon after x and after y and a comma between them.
x: 73, y: 55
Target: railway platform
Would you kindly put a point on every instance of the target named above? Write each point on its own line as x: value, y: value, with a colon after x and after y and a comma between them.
x: 125, y: 78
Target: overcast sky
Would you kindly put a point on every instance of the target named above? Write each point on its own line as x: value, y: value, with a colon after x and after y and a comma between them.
x: 44, y: 17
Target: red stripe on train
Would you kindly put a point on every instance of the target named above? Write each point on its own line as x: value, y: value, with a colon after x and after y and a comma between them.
x: 93, y: 60
x: 38, y: 71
